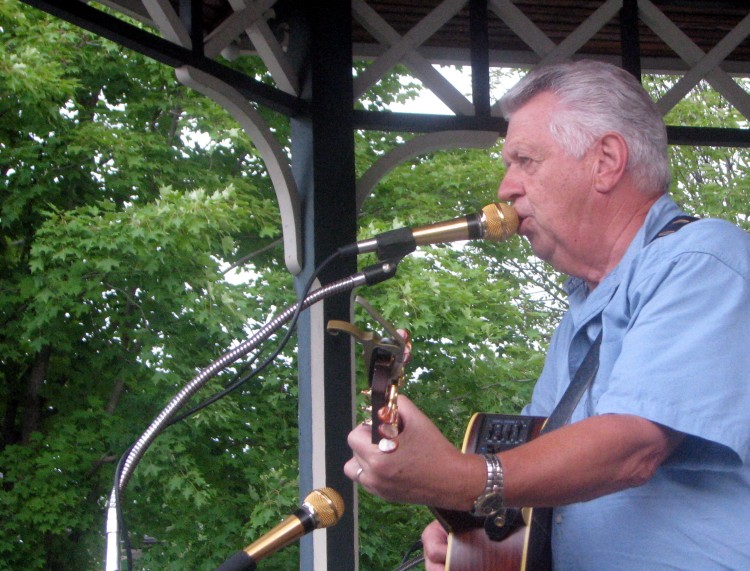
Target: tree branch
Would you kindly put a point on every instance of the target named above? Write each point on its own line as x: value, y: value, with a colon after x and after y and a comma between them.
x: 32, y: 412
x: 251, y: 255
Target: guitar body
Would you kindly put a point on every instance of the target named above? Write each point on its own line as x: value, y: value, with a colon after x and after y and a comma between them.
x: 526, y: 542
x: 472, y: 550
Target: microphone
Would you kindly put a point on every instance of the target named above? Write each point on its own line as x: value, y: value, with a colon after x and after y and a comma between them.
x: 496, y: 222
x: 321, y: 508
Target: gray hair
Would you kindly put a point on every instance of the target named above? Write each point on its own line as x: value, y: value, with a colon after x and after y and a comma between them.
x: 596, y: 98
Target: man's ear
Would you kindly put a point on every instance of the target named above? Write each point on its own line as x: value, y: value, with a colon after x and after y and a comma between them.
x: 610, y: 161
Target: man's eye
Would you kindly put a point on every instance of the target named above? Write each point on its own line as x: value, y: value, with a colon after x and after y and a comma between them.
x: 518, y: 160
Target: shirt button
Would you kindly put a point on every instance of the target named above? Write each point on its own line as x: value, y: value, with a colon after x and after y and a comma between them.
x: 558, y: 519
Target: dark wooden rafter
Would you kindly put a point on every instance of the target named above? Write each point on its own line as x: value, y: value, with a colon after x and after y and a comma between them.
x: 308, y: 47
x: 167, y: 52
x: 706, y: 22
x: 475, y: 35
x: 630, y: 37
x: 191, y: 13
x: 480, y: 57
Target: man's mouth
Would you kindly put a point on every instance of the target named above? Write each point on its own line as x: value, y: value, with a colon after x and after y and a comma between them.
x: 521, y: 220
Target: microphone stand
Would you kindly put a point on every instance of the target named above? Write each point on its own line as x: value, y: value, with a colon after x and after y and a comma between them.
x: 371, y: 275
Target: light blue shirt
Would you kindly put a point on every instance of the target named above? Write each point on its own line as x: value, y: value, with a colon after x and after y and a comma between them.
x: 675, y: 315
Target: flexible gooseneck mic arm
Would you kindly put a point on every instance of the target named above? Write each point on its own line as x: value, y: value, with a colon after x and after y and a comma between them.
x: 368, y: 276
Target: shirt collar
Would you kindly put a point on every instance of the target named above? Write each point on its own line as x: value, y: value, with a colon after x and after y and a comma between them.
x: 587, y: 304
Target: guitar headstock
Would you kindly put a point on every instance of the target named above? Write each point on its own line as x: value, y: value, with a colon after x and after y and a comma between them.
x: 385, y: 358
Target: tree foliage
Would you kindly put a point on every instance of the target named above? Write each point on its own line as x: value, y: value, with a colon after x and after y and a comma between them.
x: 124, y: 200
x: 124, y: 197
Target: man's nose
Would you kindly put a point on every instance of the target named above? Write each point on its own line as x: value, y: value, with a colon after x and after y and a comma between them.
x: 510, y: 188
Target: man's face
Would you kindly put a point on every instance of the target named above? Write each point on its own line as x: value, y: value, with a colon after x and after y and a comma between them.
x: 548, y: 188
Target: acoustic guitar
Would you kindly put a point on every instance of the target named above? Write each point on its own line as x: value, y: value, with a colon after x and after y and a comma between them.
x: 519, y: 541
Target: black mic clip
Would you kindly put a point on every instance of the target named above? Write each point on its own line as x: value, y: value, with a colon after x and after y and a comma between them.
x: 395, y: 244
x: 382, y: 271
x: 391, y: 245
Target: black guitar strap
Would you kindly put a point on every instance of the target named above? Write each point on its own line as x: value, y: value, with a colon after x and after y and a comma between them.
x: 587, y: 371
x: 581, y: 382
x: 498, y: 529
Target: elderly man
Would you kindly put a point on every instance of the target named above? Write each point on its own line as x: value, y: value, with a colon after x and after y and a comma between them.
x: 651, y: 471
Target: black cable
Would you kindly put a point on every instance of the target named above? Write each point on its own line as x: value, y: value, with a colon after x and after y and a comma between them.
x: 235, y: 378
x: 118, y: 509
x: 407, y: 563
x: 416, y: 546
x: 411, y: 564
x: 234, y: 385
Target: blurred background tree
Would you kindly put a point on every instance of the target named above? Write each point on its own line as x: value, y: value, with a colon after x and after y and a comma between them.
x: 140, y: 238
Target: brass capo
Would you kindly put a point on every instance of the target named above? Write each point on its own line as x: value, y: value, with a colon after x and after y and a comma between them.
x: 395, y: 344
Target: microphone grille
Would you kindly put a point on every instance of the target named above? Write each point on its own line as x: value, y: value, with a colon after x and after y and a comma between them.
x: 326, y: 505
x: 500, y: 221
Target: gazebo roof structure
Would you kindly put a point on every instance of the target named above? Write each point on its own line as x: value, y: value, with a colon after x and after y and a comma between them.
x: 308, y: 48
x: 698, y: 39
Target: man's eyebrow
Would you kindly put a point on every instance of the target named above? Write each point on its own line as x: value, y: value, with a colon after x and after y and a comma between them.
x: 509, y: 154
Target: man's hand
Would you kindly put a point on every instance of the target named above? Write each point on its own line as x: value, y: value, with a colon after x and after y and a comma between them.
x: 435, y: 542
x: 425, y: 468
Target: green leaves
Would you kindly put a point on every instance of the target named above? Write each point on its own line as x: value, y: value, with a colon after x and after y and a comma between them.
x: 112, y: 295
x: 124, y: 200
x: 46, y: 477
